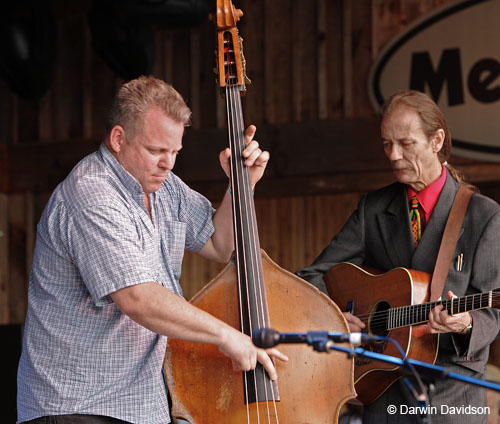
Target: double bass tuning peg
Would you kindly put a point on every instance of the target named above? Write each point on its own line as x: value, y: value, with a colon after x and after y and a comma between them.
x: 236, y: 15
x: 227, y: 14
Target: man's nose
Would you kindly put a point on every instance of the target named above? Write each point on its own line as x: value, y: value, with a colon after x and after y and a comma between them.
x: 394, y: 153
x: 167, y: 161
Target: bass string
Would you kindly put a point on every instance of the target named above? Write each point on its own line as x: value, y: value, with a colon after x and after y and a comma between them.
x: 249, y: 208
x: 243, y: 201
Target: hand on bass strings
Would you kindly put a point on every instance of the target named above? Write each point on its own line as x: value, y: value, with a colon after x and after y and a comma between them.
x: 255, y: 158
x: 244, y: 354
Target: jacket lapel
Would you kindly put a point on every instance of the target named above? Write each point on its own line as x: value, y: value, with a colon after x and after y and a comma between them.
x: 394, y: 226
x: 426, y: 252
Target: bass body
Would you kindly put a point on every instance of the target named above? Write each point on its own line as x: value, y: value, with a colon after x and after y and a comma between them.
x: 312, y: 386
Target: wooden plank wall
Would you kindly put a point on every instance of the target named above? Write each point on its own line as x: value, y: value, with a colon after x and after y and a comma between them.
x: 308, y: 59
x: 292, y: 231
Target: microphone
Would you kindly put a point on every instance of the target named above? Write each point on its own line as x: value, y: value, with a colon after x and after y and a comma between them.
x: 267, y: 337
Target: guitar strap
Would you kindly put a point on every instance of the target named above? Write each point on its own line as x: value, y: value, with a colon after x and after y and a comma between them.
x: 449, y: 241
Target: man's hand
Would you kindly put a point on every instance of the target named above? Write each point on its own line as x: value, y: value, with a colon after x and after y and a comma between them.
x: 255, y: 158
x: 244, y: 354
x: 440, y: 321
x: 355, y: 324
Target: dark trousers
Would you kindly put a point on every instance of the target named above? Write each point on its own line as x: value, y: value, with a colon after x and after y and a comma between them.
x: 76, y: 419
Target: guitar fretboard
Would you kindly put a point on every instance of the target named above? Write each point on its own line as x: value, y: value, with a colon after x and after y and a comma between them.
x: 404, y: 316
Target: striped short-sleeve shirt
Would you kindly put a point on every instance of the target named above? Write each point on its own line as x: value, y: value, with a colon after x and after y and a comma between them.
x: 80, y: 353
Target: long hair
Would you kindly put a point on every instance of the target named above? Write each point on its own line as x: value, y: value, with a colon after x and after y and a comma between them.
x: 432, y: 120
x: 136, y: 96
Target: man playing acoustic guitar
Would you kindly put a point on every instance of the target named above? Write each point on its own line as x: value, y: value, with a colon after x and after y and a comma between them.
x: 386, y: 232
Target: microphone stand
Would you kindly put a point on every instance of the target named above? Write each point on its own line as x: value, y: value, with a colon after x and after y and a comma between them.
x: 321, y: 343
x: 326, y: 345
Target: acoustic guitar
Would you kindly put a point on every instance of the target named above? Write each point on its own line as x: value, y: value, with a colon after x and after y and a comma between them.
x: 393, y: 304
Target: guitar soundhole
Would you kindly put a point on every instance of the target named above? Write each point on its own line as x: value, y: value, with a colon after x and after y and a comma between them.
x: 378, y: 319
x: 377, y: 324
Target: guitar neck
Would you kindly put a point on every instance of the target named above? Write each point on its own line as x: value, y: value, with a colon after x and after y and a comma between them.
x: 404, y: 316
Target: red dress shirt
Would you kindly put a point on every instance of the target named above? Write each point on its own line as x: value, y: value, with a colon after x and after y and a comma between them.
x: 429, y: 196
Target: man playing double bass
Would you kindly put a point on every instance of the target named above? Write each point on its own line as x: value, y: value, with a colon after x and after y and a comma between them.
x: 104, y: 286
x: 417, y: 142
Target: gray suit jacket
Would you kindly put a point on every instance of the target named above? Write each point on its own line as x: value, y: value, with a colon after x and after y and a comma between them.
x: 378, y: 234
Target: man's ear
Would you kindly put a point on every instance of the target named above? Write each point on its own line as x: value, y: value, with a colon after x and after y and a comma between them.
x: 438, y: 140
x: 116, y: 138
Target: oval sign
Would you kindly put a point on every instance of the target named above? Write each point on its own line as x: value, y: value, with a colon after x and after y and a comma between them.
x: 451, y: 54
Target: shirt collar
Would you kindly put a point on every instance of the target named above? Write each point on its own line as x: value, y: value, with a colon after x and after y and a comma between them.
x: 128, y: 181
x: 429, y: 196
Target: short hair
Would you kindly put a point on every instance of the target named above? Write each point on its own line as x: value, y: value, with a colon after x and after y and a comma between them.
x: 135, y: 97
x: 430, y: 115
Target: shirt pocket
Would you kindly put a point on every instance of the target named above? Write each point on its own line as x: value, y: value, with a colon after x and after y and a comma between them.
x: 172, y: 240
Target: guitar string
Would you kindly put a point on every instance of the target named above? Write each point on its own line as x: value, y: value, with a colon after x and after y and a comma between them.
x: 406, y: 315
x: 405, y: 312
x: 447, y: 303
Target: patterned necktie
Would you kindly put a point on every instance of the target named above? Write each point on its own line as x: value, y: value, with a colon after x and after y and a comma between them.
x: 416, y: 220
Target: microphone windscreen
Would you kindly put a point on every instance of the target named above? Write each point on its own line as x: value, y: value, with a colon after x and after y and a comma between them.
x: 265, y: 337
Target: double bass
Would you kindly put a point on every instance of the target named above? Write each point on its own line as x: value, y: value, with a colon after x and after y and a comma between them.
x: 250, y: 293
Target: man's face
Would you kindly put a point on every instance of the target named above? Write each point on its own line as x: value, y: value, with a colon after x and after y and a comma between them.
x: 151, y: 154
x: 413, y: 157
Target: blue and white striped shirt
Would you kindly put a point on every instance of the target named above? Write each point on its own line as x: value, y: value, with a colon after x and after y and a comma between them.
x: 80, y: 353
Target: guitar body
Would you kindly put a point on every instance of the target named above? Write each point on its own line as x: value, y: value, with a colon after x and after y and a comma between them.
x: 367, y: 293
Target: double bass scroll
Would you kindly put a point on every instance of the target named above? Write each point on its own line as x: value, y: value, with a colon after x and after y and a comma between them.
x: 253, y: 292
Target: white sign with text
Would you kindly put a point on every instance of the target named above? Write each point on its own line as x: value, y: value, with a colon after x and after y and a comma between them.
x: 452, y: 54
